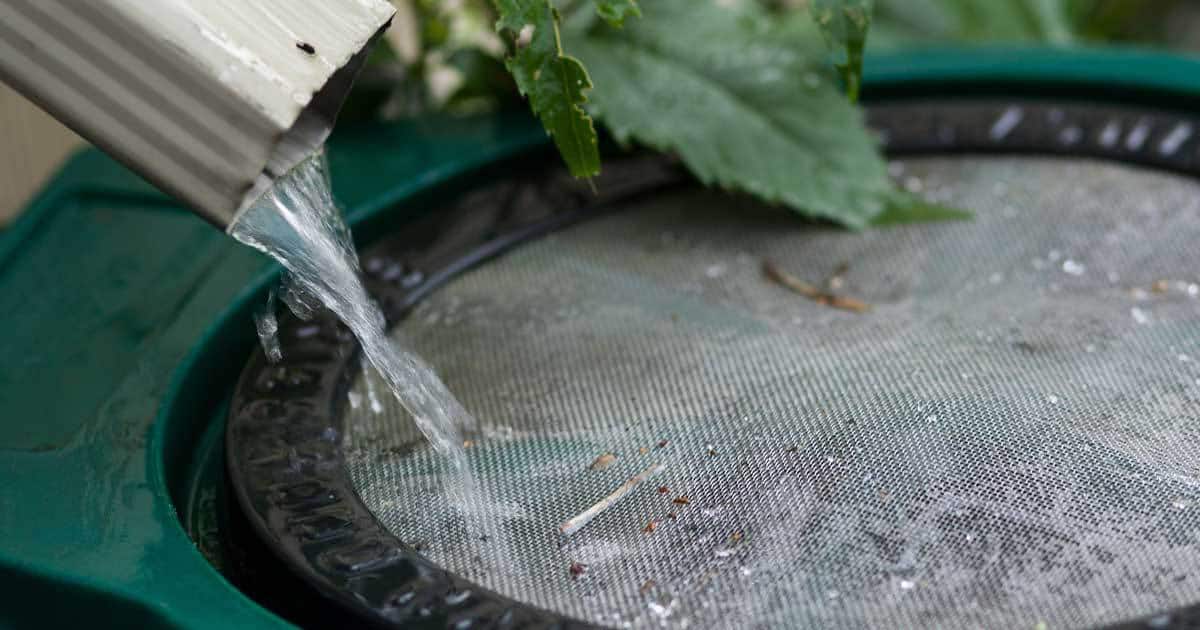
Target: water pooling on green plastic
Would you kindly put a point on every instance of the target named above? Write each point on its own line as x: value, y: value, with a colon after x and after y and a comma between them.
x: 298, y: 224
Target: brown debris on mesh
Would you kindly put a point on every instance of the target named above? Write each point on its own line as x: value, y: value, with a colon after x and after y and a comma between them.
x: 651, y: 526
x: 662, y: 490
x: 643, y: 450
x: 1160, y: 286
x: 712, y: 452
x: 793, y: 449
x: 468, y: 443
x: 646, y: 586
x: 838, y: 280
x: 661, y: 444
x: 736, y: 537
x: 603, y: 461
x: 681, y: 500
x: 577, y: 569
x: 788, y: 281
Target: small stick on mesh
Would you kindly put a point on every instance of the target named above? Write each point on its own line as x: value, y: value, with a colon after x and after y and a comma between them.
x: 575, y: 524
x: 781, y: 277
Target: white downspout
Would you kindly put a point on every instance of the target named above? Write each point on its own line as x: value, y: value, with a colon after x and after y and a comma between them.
x: 208, y: 99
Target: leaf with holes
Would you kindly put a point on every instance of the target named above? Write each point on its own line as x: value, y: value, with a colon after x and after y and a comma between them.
x: 553, y: 82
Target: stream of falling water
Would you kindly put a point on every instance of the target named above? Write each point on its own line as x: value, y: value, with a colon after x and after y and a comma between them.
x: 298, y: 224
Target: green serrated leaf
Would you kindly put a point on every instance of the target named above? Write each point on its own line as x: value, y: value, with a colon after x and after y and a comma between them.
x: 615, y: 11
x: 553, y: 82
x: 751, y: 109
x: 903, y: 208
x: 845, y: 23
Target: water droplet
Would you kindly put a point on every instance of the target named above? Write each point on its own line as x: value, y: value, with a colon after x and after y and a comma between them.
x: 1090, y: 348
x: 1137, y: 136
x: 1054, y: 255
x: 1073, y: 267
x: 746, y: 571
x: 660, y: 611
x: 913, y: 184
x: 1193, y: 290
x: 1006, y: 123
x: 1053, y: 399
x: 907, y: 585
x: 996, y: 278
x: 1070, y: 135
x: 1181, y: 504
x: 1114, y: 277
x: 1183, y: 358
x: 931, y: 418
x: 832, y: 594
x: 1139, y: 316
x: 715, y: 271
x: 1175, y: 139
x: 1110, y: 134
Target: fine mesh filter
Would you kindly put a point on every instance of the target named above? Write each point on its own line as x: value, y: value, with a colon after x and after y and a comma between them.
x: 1007, y: 438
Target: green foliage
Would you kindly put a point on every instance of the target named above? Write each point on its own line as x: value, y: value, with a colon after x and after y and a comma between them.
x: 907, y: 208
x: 745, y: 97
x: 752, y: 108
x: 740, y: 90
x: 845, y: 23
x: 616, y: 11
x: 553, y: 82
x: 923, y: 21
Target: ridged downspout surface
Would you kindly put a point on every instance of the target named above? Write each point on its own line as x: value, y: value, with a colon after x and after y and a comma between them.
x: 208, y: 99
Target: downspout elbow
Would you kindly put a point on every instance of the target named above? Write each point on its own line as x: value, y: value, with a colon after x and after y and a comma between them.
x: 209, y: 100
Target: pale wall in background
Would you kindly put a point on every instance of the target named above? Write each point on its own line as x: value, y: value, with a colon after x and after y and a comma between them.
x: 32, y: 146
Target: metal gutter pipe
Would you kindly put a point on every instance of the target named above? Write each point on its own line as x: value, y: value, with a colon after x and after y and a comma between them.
x: 210, y: 100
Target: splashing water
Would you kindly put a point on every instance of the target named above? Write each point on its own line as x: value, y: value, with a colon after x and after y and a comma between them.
x: 298, y: 224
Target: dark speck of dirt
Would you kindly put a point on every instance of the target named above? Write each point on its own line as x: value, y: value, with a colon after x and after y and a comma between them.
x: 577, y: 569
x: 306, y: 47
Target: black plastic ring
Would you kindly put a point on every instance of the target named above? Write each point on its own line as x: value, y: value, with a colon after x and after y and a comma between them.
x: 285, y: 426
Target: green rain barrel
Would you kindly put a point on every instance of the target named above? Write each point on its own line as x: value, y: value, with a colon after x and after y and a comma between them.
x: 999, y: 429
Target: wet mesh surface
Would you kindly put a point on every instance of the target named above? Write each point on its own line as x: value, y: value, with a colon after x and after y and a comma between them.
x: 1008, y: 437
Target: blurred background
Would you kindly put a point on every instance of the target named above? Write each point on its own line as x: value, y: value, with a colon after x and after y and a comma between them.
x: 443, y: 56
